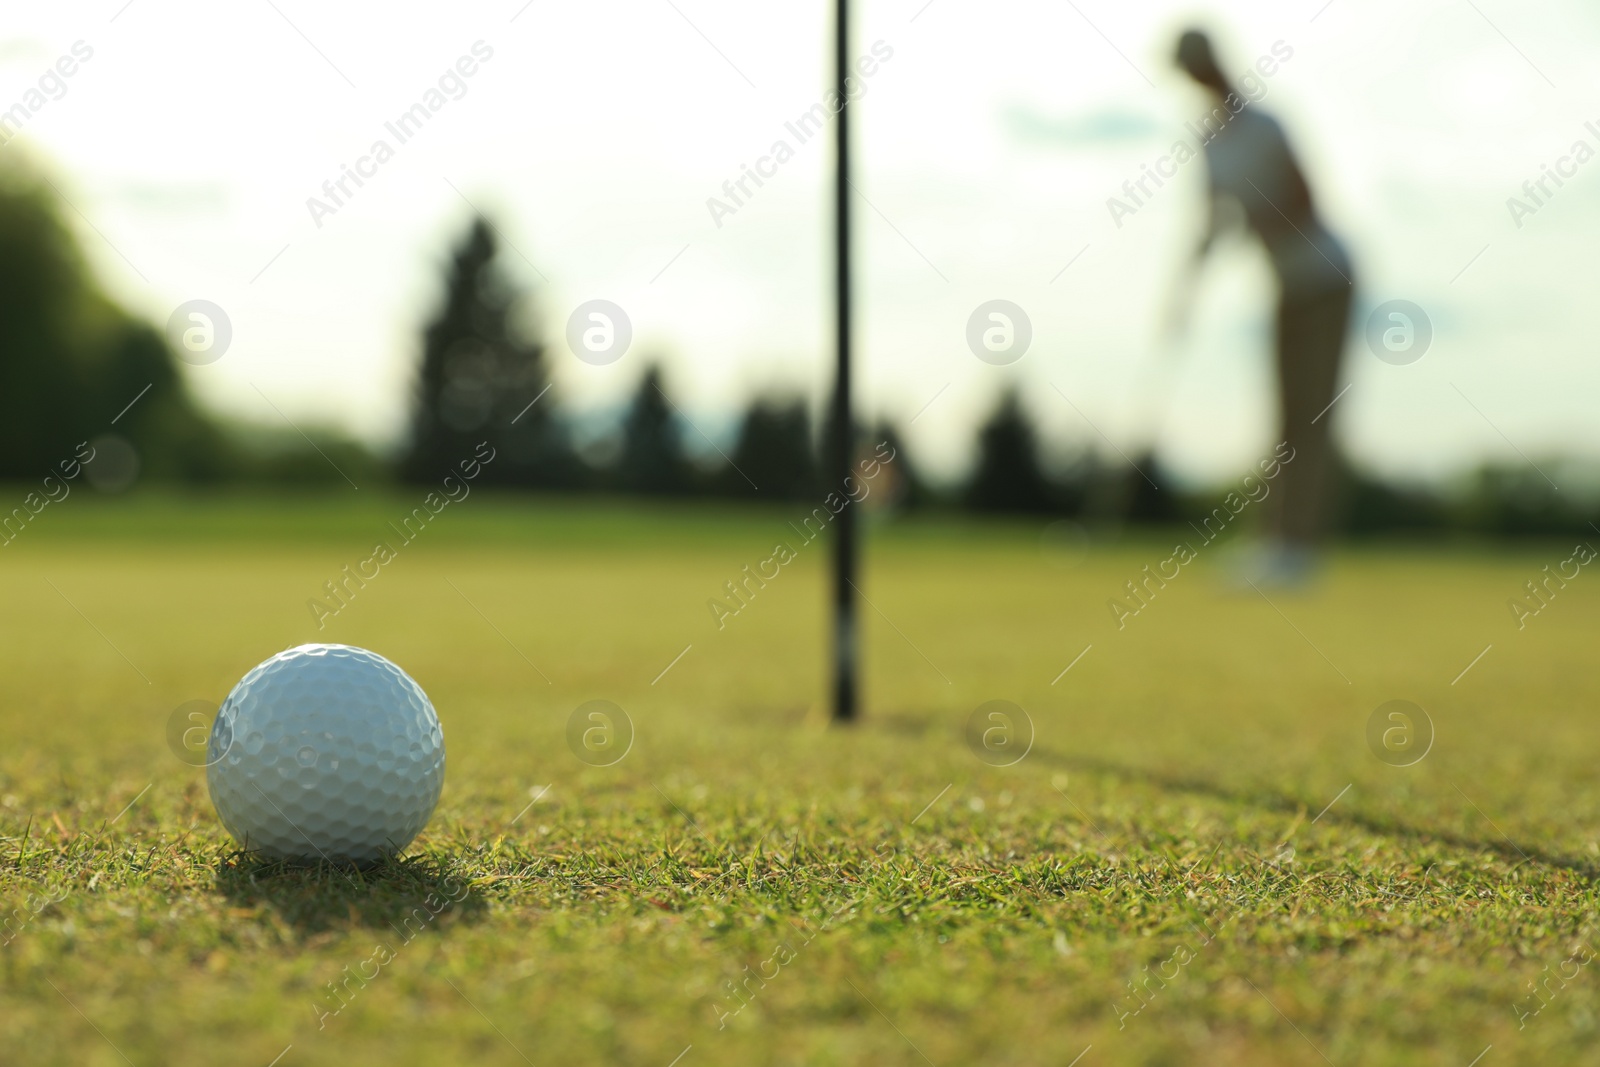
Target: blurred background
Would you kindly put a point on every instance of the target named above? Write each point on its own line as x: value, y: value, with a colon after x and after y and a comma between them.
x: 504, y: 164
x: 270, y: 269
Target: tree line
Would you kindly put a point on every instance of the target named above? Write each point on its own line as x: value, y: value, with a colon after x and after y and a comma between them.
x: 75, y: 367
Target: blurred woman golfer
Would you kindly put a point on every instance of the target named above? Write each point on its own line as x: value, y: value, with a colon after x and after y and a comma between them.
x: 1256, y: 180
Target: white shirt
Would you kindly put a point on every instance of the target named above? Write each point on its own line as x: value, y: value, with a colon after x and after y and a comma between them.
x: 1249, y: 160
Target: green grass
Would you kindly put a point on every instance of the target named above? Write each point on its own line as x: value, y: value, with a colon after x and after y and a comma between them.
x: 906, y: 902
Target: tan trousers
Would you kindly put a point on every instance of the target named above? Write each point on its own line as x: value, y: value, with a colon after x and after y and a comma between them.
x: 1310, y: 339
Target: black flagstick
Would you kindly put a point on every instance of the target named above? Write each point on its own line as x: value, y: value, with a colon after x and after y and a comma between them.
x: 845, y: 705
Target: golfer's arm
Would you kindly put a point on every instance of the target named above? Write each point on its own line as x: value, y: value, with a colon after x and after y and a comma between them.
x: 1208, y: 233
x: 1177, y: 310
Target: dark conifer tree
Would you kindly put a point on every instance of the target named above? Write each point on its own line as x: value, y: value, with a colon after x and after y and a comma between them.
x: 899, y: 482
x: 652, y: 447
x: 774, y: 452
x: 1008, y: 476
x: 478, y: 377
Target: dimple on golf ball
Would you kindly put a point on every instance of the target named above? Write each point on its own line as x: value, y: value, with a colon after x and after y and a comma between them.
x: 325, y: 752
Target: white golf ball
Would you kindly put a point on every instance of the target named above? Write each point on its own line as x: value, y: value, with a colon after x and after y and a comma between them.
x: 325, y: 752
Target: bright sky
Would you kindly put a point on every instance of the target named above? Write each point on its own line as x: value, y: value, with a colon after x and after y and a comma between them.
x: 989, y: 143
